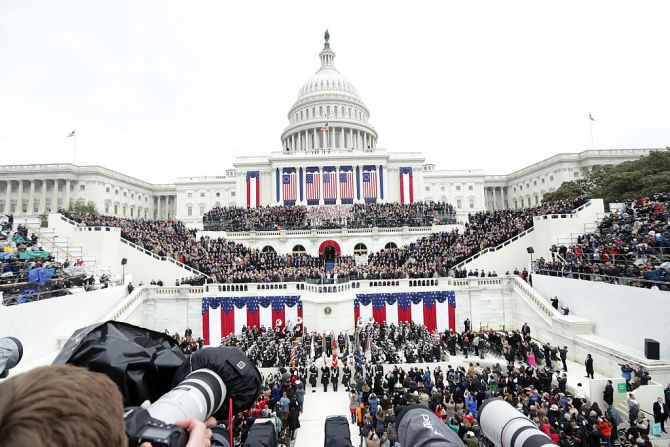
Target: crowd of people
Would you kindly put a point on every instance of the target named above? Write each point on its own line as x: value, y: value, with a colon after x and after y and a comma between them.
x: 29, y: 273
x: 528, y: 374
x: 435, y: 255
x: 631, y: 242
x: 224, y: 261
x: 366, y: 215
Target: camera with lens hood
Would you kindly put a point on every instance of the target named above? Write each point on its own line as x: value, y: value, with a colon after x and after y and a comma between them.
x: 148, y: 366
x: 11, y: 352
x: 506, y: 426
x: 199, y: 396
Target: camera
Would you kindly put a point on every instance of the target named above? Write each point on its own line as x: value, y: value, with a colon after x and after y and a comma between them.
x: 505, y: 426
x: 11, y: 352
x: 199, y: 396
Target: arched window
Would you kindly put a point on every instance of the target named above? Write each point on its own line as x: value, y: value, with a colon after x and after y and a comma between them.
x: 360, y: 249
x: 268, y: 249
x: 299, y: 250
x: 390, y: 245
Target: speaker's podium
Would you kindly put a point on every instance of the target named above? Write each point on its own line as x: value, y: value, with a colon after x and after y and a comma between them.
x: 652, y: 349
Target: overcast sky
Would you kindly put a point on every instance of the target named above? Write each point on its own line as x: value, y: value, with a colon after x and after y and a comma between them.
x: 161, y: 89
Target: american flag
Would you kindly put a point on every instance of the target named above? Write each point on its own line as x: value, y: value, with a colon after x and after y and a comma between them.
x: 325, y: 127
x: 289, y: 186
x: 369, y: 184
x: 347, y: 185
x: 312, y: 180
x: 329, y: 186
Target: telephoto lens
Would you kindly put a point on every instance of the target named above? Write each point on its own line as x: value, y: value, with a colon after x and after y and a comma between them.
x: 199, y: 396
x: 11, y: 352
x: 506, y: 426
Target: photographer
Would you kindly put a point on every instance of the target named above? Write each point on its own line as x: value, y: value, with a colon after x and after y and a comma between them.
x: 70, y: 406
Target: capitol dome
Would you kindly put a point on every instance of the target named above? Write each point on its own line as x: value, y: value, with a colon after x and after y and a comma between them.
x: 328, y: 113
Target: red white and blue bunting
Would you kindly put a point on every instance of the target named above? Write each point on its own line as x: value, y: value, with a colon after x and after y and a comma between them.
x: 435, y: 310
x: 224, y: 316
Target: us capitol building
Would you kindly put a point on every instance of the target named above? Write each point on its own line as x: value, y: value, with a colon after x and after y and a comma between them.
x: 328, y: 155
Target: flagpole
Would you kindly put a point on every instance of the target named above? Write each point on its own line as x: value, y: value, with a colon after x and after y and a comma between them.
x: 74, y: 149
x: 591, y: 128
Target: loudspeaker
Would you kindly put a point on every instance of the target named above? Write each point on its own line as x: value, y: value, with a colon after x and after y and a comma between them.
x: 124, y: 261
x: 530, y: 250
x: 652, y: 349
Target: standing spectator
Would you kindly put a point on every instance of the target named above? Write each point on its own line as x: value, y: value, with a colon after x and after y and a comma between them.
x: 564, y: 356
x: 627, y: 374
x: 589, y: 366
x: 292, y: 419
x: 633, y: 409
x: 660, y: 413
x: 608, y: 393
x: 353, y: 405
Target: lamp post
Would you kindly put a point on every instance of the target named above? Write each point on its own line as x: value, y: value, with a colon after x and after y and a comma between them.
x: 124, y: 261
x: 530, y: 251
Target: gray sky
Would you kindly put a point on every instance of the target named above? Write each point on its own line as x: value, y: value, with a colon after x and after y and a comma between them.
x: 160, y: 89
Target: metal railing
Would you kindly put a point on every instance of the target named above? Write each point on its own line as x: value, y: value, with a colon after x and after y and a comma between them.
x: 135, y: 246
x: 492, y: 249
x: 163, y: 258
x: 597, y: 277
x: 321, y: 231
x: 570, y: 215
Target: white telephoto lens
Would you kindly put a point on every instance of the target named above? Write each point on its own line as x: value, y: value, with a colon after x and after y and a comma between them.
x: 198, y: 396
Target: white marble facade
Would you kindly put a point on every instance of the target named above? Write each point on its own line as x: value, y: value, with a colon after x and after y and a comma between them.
x: 329, y: 134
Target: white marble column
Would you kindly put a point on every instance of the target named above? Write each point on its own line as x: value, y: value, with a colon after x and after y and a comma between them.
x: 8, y: 196
x: 158, y: 207
x: 43, y: 197
x: 31, y: 198
x: 66, y: 199
x: 351, y: 139
x: 342, y: 138
x: 54, y: 196
x: 19, y: 199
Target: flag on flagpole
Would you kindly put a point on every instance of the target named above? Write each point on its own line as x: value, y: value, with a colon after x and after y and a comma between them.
x: 334, y: 362
x: 325, y: 127
x: 591, y: 117
x: 293, y: 357
x: 72, y: 134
